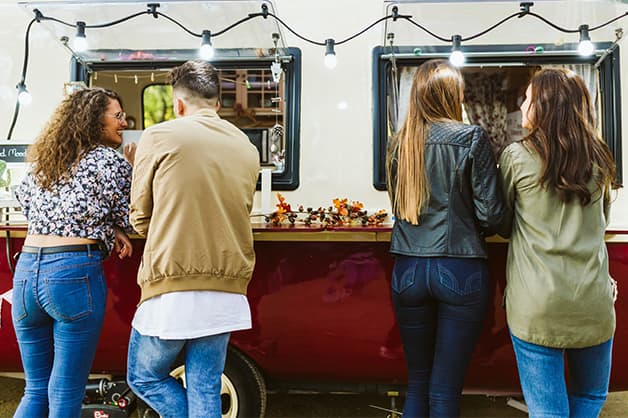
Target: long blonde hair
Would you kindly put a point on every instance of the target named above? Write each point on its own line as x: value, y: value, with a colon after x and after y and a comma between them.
x: 436, y: 95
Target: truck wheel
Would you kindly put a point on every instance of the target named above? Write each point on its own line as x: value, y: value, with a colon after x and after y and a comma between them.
x: 243, y: 390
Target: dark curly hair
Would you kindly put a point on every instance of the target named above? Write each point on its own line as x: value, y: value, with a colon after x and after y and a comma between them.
x: 74, y: 129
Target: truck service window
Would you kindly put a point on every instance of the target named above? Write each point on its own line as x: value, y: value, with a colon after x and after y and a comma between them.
x: 254, y: 96
x: 495, y: 85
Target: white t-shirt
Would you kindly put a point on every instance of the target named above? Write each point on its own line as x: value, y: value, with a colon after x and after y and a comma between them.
x: 192, y: 314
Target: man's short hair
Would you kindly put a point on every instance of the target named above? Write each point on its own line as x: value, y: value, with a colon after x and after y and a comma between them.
x: 199, y: 78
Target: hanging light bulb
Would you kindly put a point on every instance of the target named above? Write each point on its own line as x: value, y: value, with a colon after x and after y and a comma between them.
x: 585, y: 47
x: 207, y: 50
x: 456, y: 58
x: 330, y: 55
x: 80, y: 41
x: 23, y: 96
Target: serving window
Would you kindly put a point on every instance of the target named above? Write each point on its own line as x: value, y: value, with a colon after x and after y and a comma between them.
x: 495, y: 85
x: 254, y: 96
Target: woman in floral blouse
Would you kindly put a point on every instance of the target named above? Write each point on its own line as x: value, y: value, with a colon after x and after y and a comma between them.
x: 75, y: 199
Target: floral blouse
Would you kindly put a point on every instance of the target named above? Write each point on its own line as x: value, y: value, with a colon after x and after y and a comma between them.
x: 89, y: 204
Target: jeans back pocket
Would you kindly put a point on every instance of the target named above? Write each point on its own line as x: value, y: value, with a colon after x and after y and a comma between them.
x: 404, y: 272
x: 460, y: 278
x: 69, y: 298
x: 18, y: 304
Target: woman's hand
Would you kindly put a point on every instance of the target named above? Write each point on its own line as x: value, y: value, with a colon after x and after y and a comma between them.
x: 129, y: 152
x: 122, y: 245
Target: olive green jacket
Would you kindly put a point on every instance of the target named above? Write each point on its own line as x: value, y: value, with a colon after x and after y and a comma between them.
x: 558, y: 292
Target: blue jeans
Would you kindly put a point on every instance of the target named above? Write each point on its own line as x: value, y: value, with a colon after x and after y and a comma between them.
x: 440, y: 304
x: 542, y: 375
x: 58, y: 309
x: 149, y: 364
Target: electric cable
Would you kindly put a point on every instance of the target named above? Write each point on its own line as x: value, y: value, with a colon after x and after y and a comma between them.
x: 22, y: 82
x: 152, y: 10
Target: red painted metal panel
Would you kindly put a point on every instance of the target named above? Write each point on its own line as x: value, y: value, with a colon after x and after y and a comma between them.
x: 322, y: 312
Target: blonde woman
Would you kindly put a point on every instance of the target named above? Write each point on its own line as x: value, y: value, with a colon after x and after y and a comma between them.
x: 445, y: 195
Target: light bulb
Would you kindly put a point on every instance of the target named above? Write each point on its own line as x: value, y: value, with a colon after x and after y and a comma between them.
x: 330, y: 61
x: 457, y: 58
x: 206, y: 52
x: 585, y: 48
x: 330, y: 55
x: 80, y: 44
x: 24, y: 97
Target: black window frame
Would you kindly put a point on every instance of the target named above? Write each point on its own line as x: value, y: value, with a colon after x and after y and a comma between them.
x: 286, y: 180
x: 610, y: 86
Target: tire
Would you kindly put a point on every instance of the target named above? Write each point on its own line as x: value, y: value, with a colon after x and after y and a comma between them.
x: 243, y: 390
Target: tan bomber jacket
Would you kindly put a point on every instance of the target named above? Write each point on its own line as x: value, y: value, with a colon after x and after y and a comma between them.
x: 192, y: 192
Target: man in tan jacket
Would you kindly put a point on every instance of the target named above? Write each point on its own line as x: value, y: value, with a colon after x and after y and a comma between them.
x: 193, y: 184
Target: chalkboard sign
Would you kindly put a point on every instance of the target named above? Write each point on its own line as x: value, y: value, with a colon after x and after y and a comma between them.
x: 13, y: 153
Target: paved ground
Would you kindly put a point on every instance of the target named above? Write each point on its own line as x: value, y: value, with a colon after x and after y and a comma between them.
x: 328, y: 406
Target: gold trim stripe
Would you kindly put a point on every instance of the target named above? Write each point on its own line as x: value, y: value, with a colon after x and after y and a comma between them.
x: 328, y: 236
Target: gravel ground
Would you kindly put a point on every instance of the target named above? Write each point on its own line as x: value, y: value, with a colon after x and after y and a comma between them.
x: 293, y: 406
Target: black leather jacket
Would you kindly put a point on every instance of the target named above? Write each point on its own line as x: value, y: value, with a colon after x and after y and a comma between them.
x: 466, y: 201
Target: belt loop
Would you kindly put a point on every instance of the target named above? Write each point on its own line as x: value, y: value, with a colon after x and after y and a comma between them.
x: 89, y: 250
x: 39, y: 250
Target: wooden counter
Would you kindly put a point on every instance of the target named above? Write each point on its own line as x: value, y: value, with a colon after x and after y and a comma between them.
x: 317, y: 233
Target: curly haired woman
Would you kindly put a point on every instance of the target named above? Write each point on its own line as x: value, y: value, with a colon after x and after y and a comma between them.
x: 75, y: 199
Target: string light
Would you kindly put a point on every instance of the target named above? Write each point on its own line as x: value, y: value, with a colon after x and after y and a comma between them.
x: 585, y: 47
x: 456, y: 57
x: 80, y: 41
x: 24, y: 98
x: 206, y: 51
x: 330, y: 55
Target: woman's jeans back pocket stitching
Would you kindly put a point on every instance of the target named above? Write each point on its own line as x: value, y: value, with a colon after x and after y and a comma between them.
x: 69, y: 298
x: 404, y: 273
x: 464, y: 287
x: 18, y: 310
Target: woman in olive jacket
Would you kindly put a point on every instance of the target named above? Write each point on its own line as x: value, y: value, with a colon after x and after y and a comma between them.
x: 559, y: 295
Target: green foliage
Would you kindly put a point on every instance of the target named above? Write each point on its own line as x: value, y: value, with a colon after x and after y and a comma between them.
x: 157, y: 104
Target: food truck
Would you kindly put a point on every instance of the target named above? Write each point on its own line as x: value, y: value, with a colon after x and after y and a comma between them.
x: 318, y: 87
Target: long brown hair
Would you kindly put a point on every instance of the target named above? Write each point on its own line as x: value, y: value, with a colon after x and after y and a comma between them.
x: 75, y: 128
x: 562, y: 132
x: 436, y: 95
